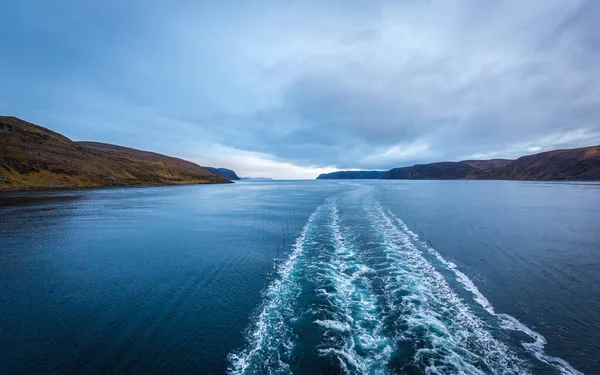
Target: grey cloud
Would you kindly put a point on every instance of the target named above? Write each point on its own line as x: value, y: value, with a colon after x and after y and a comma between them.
x: 346, y: 84
x: 339, y: 109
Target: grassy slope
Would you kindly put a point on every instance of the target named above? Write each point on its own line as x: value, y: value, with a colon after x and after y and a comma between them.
x: 468, y: 169
x: 571, y: 164
x: 34, y: 157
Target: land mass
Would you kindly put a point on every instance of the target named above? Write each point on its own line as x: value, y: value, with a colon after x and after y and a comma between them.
x: 352, y: 175
x: 32, y: 156
x: 570, y: 164
x: 224, y: 172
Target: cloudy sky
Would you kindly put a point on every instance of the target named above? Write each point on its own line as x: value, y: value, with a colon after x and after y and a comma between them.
x: 291, y: 88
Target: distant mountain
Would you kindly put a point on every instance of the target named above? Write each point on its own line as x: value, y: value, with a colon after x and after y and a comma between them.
x: 224, y: 172
x: 432, y: 171
x: 352, y: 175
x: 34, y: 157
x: 572, y: 164
x: 467, y: 169
x: 484, y: 165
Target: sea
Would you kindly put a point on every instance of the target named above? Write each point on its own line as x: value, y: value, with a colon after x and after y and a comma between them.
x: 302, y: 277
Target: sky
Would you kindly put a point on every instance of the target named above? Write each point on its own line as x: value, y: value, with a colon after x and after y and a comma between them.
x: 292, y: 89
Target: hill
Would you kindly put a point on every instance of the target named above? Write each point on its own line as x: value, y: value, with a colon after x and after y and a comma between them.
x: 468, y: 169
x: 224, y: 172
x: 352, y: 175
x: 32, y: 156
x: 571, y: 164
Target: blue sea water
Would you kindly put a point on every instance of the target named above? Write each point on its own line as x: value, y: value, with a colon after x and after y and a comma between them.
x: 302, y: 277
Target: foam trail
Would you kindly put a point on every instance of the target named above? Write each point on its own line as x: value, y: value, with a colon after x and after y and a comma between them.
x: 506, y: 321
x: 449, y: 338
x: 354, y: 336
x: 270, y: 338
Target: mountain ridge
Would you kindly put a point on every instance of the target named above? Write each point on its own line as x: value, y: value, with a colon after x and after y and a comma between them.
x: 34, y: 157
x: 224, y: 172
x: 563, y: 164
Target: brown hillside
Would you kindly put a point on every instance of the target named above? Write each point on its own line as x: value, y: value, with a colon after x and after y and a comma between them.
x: 35, y: 157
x: 484, y: 165
x: 573, y: 164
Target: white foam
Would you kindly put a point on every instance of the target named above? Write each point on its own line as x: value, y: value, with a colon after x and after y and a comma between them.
x: 269, y: 321
x: 345, y: 360
x: 353, y: 314
x: 455, y: 339
x: 506, y: 321
x: 537, y: 347
x: 355, y: 307
x: 334, y: 325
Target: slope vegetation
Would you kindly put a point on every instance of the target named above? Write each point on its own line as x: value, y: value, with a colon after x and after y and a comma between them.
x: 35, y: 157
x: 571, y: 164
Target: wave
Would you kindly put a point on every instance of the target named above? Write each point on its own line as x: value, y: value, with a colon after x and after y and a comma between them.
x: 506, y: 321
x: 446, y: 335
x: 354, y: 337
x: 374, y: 304
x: 338, y: 307
x: 270, y: 340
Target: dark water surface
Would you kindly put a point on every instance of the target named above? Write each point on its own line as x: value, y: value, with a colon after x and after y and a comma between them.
x: 312, y: 277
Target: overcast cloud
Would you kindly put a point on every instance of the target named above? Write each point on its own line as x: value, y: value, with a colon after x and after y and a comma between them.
x: 290, y: 89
